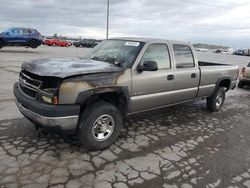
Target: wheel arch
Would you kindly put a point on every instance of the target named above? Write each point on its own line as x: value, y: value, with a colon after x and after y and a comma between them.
x: 223, y: 82
x: 2, y: 40
x: 32, y: 39
x: 118, y: 96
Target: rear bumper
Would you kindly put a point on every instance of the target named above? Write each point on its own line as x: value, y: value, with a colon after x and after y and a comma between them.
x: 60, y: 117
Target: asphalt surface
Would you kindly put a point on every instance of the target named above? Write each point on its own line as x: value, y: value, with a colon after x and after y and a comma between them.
x: 181, y: 146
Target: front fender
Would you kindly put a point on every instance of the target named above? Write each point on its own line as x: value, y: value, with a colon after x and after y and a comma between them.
x: 122, y: 91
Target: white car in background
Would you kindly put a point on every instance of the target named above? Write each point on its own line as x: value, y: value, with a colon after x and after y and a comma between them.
x: 244, y: 77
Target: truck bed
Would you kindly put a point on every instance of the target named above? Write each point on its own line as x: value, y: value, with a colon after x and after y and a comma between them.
x: 210, y: 73
x: 205, y: 63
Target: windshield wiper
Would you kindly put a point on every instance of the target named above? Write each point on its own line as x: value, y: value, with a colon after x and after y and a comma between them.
x: 97, y: 58
x: 109, y: 60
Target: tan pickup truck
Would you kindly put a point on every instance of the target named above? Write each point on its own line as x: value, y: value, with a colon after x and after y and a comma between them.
x: 244, y: 77
x: 120, y: 77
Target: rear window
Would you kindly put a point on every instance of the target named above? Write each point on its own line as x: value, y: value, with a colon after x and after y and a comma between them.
x: 26, y: 31
x: 183, y: 56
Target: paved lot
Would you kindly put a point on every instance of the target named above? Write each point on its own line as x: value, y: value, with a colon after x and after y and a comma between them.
x: 181, y: 146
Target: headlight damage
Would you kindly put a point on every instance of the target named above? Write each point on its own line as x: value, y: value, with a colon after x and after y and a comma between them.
x: 41, y: 88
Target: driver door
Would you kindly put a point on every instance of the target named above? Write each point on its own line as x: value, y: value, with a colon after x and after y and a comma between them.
x: 152, y: 89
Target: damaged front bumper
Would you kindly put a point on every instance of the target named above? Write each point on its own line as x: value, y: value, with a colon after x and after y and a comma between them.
x: 60, y: 117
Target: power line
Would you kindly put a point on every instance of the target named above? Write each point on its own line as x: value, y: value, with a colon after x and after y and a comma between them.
x: 107, y: 29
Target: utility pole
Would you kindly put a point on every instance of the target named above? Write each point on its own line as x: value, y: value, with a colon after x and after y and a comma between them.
x: 107, y: 31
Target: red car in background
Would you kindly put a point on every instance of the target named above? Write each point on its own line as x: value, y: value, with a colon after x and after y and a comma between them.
x: 56, y: 42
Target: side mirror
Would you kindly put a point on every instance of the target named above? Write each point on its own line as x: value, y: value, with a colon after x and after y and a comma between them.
x: 147, y: 66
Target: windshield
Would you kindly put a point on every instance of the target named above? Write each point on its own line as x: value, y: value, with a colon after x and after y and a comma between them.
x: 120, y: 52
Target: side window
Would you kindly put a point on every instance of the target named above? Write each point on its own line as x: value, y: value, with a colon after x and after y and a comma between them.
x: 158, y: 53
x: 183, y: 56
x: 15, y: 32
x: 25, y: 31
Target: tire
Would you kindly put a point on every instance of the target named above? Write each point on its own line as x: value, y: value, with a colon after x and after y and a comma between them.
x: 33, y: 44
x: 1, y: 44
x: 216, y: 101
x: 104, y: 134
x: 241, y: 84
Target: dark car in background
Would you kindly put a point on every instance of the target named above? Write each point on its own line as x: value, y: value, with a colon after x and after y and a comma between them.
x: 239, y: 52
x: 21, y: 37
x: 88, y: 43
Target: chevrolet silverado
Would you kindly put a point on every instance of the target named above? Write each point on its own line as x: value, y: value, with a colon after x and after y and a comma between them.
x: 122, y: 76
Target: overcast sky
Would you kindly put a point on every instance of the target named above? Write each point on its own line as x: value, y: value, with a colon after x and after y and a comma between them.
x: 224, y: 22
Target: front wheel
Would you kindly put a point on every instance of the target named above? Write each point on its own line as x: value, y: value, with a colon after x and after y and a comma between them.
x: 1, y: 44
x: 216, y: 101
x: 99, y: 126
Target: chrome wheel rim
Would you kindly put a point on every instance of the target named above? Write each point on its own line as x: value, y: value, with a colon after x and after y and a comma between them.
x: 219, y: 100
x: 103, y: 127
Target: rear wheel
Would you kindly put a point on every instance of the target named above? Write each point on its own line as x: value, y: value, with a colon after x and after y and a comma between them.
x: 100, y: 125
x: 33, y: 44
x: 216, y: 101
x: 241, y: 84
x: 1, y: 44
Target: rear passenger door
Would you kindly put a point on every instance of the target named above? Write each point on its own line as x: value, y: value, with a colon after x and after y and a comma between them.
x: 26, y: 33
x: 187, y: 74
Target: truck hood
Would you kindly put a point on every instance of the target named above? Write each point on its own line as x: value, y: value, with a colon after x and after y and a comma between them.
x: 66, y: 67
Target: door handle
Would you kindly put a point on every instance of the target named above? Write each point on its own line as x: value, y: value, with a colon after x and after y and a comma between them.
x: 193, y: 75
x: 170, y: 77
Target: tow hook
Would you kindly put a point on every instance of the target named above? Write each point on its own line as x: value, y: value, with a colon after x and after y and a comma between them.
x: 41, y: 133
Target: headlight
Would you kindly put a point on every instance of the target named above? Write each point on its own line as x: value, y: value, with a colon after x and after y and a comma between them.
x: 50, y: 100
x: 49, y: 96
x: 47, y: 99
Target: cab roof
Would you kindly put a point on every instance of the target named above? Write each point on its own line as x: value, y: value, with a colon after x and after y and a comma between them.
x: 153, y: 40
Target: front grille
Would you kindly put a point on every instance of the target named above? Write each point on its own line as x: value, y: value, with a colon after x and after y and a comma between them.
x: 29, y: 85
x: 29, y: 80
x: 27, y: 91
